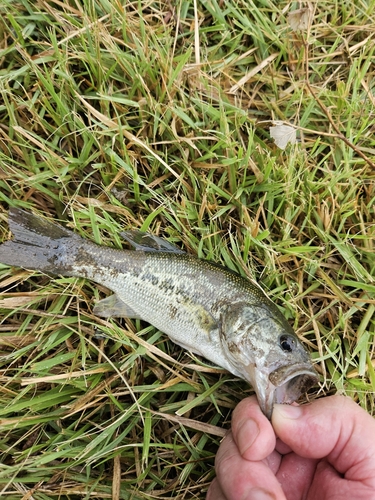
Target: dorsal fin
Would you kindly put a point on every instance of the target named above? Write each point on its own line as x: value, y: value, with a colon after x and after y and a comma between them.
x: 149, y: 242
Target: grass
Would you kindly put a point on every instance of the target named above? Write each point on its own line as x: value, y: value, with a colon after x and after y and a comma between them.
x: 156, y: 115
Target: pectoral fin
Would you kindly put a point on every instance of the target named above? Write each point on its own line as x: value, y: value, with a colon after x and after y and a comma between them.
x: 149, y: 242
x: 113, y: 307
x: 187, y: 347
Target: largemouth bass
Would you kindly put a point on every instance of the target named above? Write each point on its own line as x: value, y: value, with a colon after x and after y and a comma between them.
x: 201, y: 306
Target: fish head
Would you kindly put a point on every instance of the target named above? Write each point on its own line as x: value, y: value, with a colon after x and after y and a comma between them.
x: 262, y: 348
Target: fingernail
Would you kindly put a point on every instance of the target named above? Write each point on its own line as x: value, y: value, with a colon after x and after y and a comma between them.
x: 260, y: 494
x: 247, y: 433
x: 287, y: 411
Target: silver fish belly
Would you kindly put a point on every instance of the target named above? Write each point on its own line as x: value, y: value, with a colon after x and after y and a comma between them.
x: 201, y: 306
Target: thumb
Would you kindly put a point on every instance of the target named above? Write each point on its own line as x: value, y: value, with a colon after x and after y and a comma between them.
x: 335, y: 429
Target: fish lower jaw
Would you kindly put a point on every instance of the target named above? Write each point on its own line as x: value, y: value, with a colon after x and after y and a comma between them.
x: 283, y: 386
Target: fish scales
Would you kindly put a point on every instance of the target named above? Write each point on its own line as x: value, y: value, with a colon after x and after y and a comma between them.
x: 207, y: 309
x: 177, y: 293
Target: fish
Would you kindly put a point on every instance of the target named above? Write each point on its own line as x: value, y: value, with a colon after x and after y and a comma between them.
x: 203, y: 307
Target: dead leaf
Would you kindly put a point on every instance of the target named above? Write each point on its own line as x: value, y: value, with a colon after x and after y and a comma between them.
x: 300, y: 20
x: 283, y: 134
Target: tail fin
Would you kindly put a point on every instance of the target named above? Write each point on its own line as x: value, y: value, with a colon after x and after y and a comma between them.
x: 37, y: 244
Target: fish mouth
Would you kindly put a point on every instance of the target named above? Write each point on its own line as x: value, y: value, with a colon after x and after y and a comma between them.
x: 291, y: 382
x: 287, y: 383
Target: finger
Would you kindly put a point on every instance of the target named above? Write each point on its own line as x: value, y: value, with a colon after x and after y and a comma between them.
x: 242, y: 479
x: 295, y: 475
x: 252, y: 431
x: 333, y: 427
x: 273, y: 461
x: 215, y: 492
x: 282, y: 448
x: 328, y: 484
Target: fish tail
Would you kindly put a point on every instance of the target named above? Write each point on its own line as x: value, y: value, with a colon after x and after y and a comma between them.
x: 37, y: 244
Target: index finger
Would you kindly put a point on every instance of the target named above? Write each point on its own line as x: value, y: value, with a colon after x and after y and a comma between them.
x: 241, y: 479
x: 252, y: 431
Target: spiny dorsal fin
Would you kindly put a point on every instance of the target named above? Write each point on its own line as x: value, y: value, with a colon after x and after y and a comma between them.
x: 149, y: 242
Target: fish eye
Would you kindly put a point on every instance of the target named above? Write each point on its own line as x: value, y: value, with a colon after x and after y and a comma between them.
x: 287, y: 343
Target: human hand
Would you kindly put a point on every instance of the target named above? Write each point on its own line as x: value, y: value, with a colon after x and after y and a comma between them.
x: 319, y: 451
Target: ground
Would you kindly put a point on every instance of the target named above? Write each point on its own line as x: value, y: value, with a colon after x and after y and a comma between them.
x: 160, y: 116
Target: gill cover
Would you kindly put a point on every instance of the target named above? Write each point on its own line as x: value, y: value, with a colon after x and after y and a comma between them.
x: 263, y: 349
